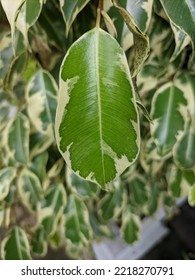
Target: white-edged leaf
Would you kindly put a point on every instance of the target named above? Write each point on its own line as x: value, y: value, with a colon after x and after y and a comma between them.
x: 27, y: 16
x: 38, y: 166
x: 141, y: 11
x: 174, y: 10
x: 70, y: 10
x: 169, y: 108
x: 111, y: 205
x: 39, y: 242
x: 184, y: 149
x: 17, y: 139
x: 39, y: 143
x: 96, y: 109
x: 140, y: 39
x: 181, y: 40
x: 81, y: 187
x: 11, y: 9
x: 30, y: 190
x: 52, y: 208
x: 76, y: 221
x: 15, y: 246
x: 109, y: 24
x: 130, y: 229
x: 191, y: 196
x: 2, y: 214
x: 55, y: 170
x: 138, y: 190
x: 41, y: 101
x: 150, y: 161
x: 6, y: 55
x: 174, y: 181
x: 7, y: 175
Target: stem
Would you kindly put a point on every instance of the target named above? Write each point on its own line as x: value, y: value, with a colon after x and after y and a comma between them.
x: 99, y: 9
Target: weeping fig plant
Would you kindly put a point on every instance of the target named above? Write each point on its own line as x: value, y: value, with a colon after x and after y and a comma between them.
x: 97, y: 120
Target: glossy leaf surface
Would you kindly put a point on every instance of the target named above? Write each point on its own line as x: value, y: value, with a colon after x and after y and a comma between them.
x: 41, y: 98
x: 97, y: 127
x: 15, y: 246
x: 168, y: 117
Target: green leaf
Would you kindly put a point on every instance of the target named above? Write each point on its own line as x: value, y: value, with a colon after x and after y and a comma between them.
x: 130, y: 229
x: 39, y: 242
x: 30, y: 190
x: 111, y: 205
x: 41, y: 101
x: 52, y: 208
x: 2, y: 214
x: 39, y: 143
x: 96, y: 109
x: 174, y: 181
x: 141, y: 11
x: 141, y: 40
x: 6, y: 55
x: 181, y: 40
x: 15, y: 246
x: 155, y: 191
x: 70, y: 10
x: 27, y: 16
x: 168, y: 114
x: 138, y: 190
x: 18, y: 139
x: 191, y: 196
x: 76, y: 225
x: 79, y: 186
x: 184, y: 150
x: 185, y: 22
x: 7, y: 175
x: 11, y: 9
x: 38, y: 166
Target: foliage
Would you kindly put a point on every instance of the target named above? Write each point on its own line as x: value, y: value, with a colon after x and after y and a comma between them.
x: 137, y: 58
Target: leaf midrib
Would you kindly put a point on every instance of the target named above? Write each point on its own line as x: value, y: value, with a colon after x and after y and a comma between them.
x: 99, y: 103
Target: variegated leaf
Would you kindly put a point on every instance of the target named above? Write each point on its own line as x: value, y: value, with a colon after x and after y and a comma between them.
x: 17, y: 138
x: 11, y: 10
x: 141, y: 40
x: 174, y: 181
x: 76, y: 221
x: 52, y: 208
x: 41, y: 100
x: 7, y: 175
x: 7, y: 111
x: 38, y: 144
x: 2, y: 214
x: 15, y: 246
x: 39, y: 242
x: 55, y: 170
x: 138, y: 190
x: 111, y: 205
x: 30, y: 190
x: 181, y: 40
x: 169, y: 108
x: 70, y: 10
x: 27, y: 16
x: 79, y: 186
x: 184, y: 150
x: 187, y: 22
x: 154, y: 194
x: 130, y: 229
x: 191, y: 196
x: 150, y: 161
x: 6, y: 55
x: 38, y: 166
x: 141, y: 11
x: 96, y: 109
